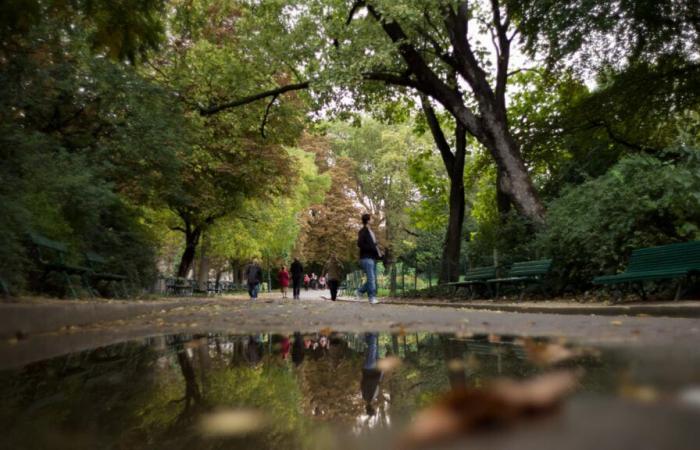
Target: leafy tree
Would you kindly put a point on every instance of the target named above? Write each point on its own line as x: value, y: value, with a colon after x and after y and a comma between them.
x: 84, y: 142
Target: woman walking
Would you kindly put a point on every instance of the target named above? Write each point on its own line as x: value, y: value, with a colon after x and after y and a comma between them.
x: 283, y: 278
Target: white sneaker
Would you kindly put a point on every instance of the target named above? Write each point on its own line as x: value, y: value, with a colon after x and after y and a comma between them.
x: 373, y: 301
x: 358, y: 294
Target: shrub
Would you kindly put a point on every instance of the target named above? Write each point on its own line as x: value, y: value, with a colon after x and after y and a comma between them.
x: 642, y: 201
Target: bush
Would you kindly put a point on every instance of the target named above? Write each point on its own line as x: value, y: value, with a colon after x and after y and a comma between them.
x: 642, y: 201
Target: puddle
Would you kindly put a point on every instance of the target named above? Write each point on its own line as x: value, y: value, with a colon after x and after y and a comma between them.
x: 341, y: 390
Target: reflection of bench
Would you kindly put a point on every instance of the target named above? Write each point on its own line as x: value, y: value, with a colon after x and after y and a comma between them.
x: 97, y: 264
x: 4, y: 289
x: 524, y: 273
x: 51, y: 256
x: 474, y: 277
x: 179, y: 286
x: 665, y: 262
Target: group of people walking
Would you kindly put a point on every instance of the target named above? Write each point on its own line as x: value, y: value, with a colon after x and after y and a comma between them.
x: 332, y: 273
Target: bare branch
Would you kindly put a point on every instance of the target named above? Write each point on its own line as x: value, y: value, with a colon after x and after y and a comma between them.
x: 357, y: 5
x: 267, y: 112
x: 211, y: 110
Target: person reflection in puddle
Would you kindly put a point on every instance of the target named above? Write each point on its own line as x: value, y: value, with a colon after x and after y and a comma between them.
x: 371, y: 375
x: 298, y: 349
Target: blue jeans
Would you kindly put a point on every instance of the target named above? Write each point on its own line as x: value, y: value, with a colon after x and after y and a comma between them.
x: 369, y: 265
x: 253, y: 289
x: 372, y: 340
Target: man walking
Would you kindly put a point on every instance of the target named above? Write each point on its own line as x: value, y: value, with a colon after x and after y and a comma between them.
x: 297, y: 271
x: 253, y: 275
x: 369, y: 254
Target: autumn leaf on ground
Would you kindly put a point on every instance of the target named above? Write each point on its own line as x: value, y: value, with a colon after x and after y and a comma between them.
x: 500, y: 403
x: 388, y: 364
x: 546, y: 353
x: 232, y: 422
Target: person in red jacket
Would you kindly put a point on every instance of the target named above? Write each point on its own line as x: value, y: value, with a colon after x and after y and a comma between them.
x: 283, y: 278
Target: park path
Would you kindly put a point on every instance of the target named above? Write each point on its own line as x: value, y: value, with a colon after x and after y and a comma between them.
x: 237, y: 315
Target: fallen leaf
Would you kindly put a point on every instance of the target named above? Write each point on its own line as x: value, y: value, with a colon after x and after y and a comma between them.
x: 640, y: 393
x: 499, y: 403
x: 616, y: 322
x: 388, y: 364
x: 233, y: 422
x: 546, y: 354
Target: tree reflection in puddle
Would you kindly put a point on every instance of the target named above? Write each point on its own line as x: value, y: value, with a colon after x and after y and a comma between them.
x: 312, y: 390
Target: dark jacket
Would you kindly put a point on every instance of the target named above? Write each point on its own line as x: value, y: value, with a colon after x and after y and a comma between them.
x: 368, y: 249
x: 253, y: 273
x: 297, y: 270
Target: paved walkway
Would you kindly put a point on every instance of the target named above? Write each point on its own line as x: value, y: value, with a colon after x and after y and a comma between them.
x: 52, y: 327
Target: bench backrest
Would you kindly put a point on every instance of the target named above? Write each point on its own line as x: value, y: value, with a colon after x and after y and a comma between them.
x: 530, y: 268
x: 481, y: 273
x: 94, y: 261
x: 684, y: 255
x: 47, y: 249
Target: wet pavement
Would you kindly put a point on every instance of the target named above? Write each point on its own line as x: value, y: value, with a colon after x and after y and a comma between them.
x: 328, y: 389
x: 314, y: 374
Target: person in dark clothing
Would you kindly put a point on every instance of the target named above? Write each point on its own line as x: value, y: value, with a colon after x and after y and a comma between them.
x: 298, y: 348
x: 369, y: 254
x: 334, y: 270
x: 253, y: 275
x: 297, y: 271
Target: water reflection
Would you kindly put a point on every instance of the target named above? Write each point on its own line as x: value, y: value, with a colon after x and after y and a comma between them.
x: 332, y: 390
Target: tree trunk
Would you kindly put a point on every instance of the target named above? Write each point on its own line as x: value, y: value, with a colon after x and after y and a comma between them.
x: 191, y: 242
x: 203, y: 272
x: 503, y: 201
x: 454, y: 164
x: 513, y: 180
x: 453, y: 236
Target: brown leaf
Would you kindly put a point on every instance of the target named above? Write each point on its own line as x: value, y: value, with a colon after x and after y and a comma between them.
x: 546, y: 354
x: 500, y: 403
x: 232, y: 422
x: 388, y: 364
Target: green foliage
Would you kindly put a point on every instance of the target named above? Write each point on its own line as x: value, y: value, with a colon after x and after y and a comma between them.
x: 608, y: 33
x: 124, y: 29
x: 642, y: 201
x: 82, y: 140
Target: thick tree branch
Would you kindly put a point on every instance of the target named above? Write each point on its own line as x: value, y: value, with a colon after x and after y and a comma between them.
x: 427, y: 82
x: 213, y: 109
x: 438, y: 136
x: 503, y: 52
x: 390, y: 78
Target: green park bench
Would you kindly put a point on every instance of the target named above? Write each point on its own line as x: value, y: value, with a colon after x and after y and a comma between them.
x: 474, y: 277
x: 97, y: 274
x: 51, y: 256
x: 665, y: 262
x: 524, y: 273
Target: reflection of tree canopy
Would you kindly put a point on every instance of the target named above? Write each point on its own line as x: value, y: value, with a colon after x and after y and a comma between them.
x: 152, y: 395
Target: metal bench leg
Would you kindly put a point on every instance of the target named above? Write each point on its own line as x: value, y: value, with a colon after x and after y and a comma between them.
x: 679, y: 290
x: 640, y: 290
x: 66, y: 277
